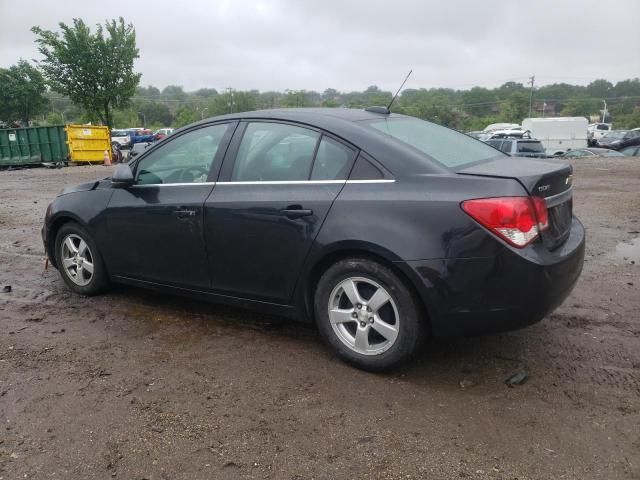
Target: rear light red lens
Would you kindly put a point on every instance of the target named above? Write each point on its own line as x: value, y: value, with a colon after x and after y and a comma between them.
x: 517, y: 220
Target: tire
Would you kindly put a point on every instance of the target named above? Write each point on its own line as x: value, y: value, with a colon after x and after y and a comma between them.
x: 85, y: 282
x: 384, y: 332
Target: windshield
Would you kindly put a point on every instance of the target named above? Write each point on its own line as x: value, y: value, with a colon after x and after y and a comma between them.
x: 448, y: 147
x: 530, y: 147
x: 616, y: 134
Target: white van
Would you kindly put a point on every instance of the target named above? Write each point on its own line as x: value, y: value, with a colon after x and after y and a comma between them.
x: 558, y: 134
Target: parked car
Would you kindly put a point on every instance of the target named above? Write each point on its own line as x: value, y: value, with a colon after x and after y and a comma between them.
x: 121, y: 137
x: 632, y: 151
x: 378, y: 227
x: 595, y: 131
x: 618, y: 139
x: 519, y: 147
x: 163, y: 132
x: 592, y: 152
x: 141, y: 136
x: 558, y: 134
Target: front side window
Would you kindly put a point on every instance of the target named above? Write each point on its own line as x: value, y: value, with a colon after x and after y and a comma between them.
x: 185, y: 159
x: 275, y: 152
x: 332, y: 161
x: 446, y: 146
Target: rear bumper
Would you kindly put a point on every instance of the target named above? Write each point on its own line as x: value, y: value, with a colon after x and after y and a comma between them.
x: 505, y: 292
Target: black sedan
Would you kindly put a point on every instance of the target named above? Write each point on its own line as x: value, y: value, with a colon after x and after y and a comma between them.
x: 379, y: 228
x: 619, y: 139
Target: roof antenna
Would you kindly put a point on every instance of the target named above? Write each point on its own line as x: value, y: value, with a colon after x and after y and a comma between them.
x: 385, y: 110
x: 396, y: 95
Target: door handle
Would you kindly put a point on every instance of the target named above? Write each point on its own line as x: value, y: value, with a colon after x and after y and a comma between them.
x: 296, y: 211
x: 184, y: 213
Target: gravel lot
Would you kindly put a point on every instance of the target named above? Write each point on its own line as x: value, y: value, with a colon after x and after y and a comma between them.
x: 137, y: 385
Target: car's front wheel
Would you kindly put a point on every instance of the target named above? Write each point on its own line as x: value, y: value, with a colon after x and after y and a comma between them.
x: 79, y: 261
x: 367, y: 314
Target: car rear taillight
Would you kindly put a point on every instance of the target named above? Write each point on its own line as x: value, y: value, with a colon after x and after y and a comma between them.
x: 517, y: 220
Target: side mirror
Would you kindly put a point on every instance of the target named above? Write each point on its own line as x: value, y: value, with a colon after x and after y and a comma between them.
x: 122, y: 176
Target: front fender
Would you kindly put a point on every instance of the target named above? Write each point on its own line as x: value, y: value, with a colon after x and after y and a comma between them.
x: 85, y: 207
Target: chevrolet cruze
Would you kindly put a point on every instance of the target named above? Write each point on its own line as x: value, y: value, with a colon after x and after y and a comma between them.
x: 381, y: 229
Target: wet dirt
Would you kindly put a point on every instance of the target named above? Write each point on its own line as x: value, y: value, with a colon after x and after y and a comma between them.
x: 137, y: 385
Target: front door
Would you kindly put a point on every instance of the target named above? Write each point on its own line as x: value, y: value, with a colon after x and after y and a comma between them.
x: 156, y: 225
x: 263, y: 216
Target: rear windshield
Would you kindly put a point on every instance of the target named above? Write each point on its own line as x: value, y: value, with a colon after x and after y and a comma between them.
x: 446, y: 146
x: 119, y: 133
x: 530, y: 147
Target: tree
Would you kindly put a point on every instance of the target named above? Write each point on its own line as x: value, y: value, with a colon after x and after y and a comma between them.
x: 478, y: 101
x: 582, y: 106
x: 22, y: 92
x: 600, y: 88
x: 94, y: 70
x: 515, y: 108
x: 154, y: 113
x: 185, y: 116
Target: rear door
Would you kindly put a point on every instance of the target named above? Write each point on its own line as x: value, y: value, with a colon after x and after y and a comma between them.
x: 276, y: 187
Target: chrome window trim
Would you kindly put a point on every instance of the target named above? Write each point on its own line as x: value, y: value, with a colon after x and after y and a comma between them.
x: 378, y: 180
x: 270, y: 182
x: 172, y: 184
x: 285, y: 182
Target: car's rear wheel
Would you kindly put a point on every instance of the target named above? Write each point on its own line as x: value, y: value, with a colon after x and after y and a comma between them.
x: 79, y: 261
x: 367, y: 314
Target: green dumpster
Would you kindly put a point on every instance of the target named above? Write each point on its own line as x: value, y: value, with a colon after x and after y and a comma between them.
x: 33, y: 146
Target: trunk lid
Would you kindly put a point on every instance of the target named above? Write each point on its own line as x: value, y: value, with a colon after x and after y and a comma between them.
x: 549, y: 179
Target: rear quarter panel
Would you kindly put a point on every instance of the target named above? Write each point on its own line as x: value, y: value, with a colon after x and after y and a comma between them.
x: 412, y: 219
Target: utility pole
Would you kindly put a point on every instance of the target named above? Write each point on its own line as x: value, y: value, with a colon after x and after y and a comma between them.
x: 531, y: 79
x: 230, y: 103
x: 604, y: 112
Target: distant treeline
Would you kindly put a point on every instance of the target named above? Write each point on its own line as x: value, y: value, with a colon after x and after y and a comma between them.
x: 461, y: 109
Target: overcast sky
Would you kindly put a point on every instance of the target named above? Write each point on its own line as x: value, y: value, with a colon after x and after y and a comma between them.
x: 349, y: 45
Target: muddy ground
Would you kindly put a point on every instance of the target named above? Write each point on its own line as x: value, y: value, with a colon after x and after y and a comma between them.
x: 137, y: 385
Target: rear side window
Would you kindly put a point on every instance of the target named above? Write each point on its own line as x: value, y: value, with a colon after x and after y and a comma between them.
x: 332, y: 161
x: 275, y: 152
x: 506, y: 146
x: 530, y: 147
x: 446, y: 146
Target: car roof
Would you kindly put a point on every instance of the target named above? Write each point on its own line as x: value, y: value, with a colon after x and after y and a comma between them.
x: 344, y: 123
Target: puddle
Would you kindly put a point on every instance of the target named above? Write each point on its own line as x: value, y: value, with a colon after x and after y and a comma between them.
x: 629, y: 250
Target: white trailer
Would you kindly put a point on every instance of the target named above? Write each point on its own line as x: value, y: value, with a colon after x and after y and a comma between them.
x: 558, y: 134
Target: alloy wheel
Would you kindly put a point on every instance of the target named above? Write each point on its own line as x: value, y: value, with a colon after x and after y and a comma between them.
x: 363, y: 316
x: 77, y: 260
